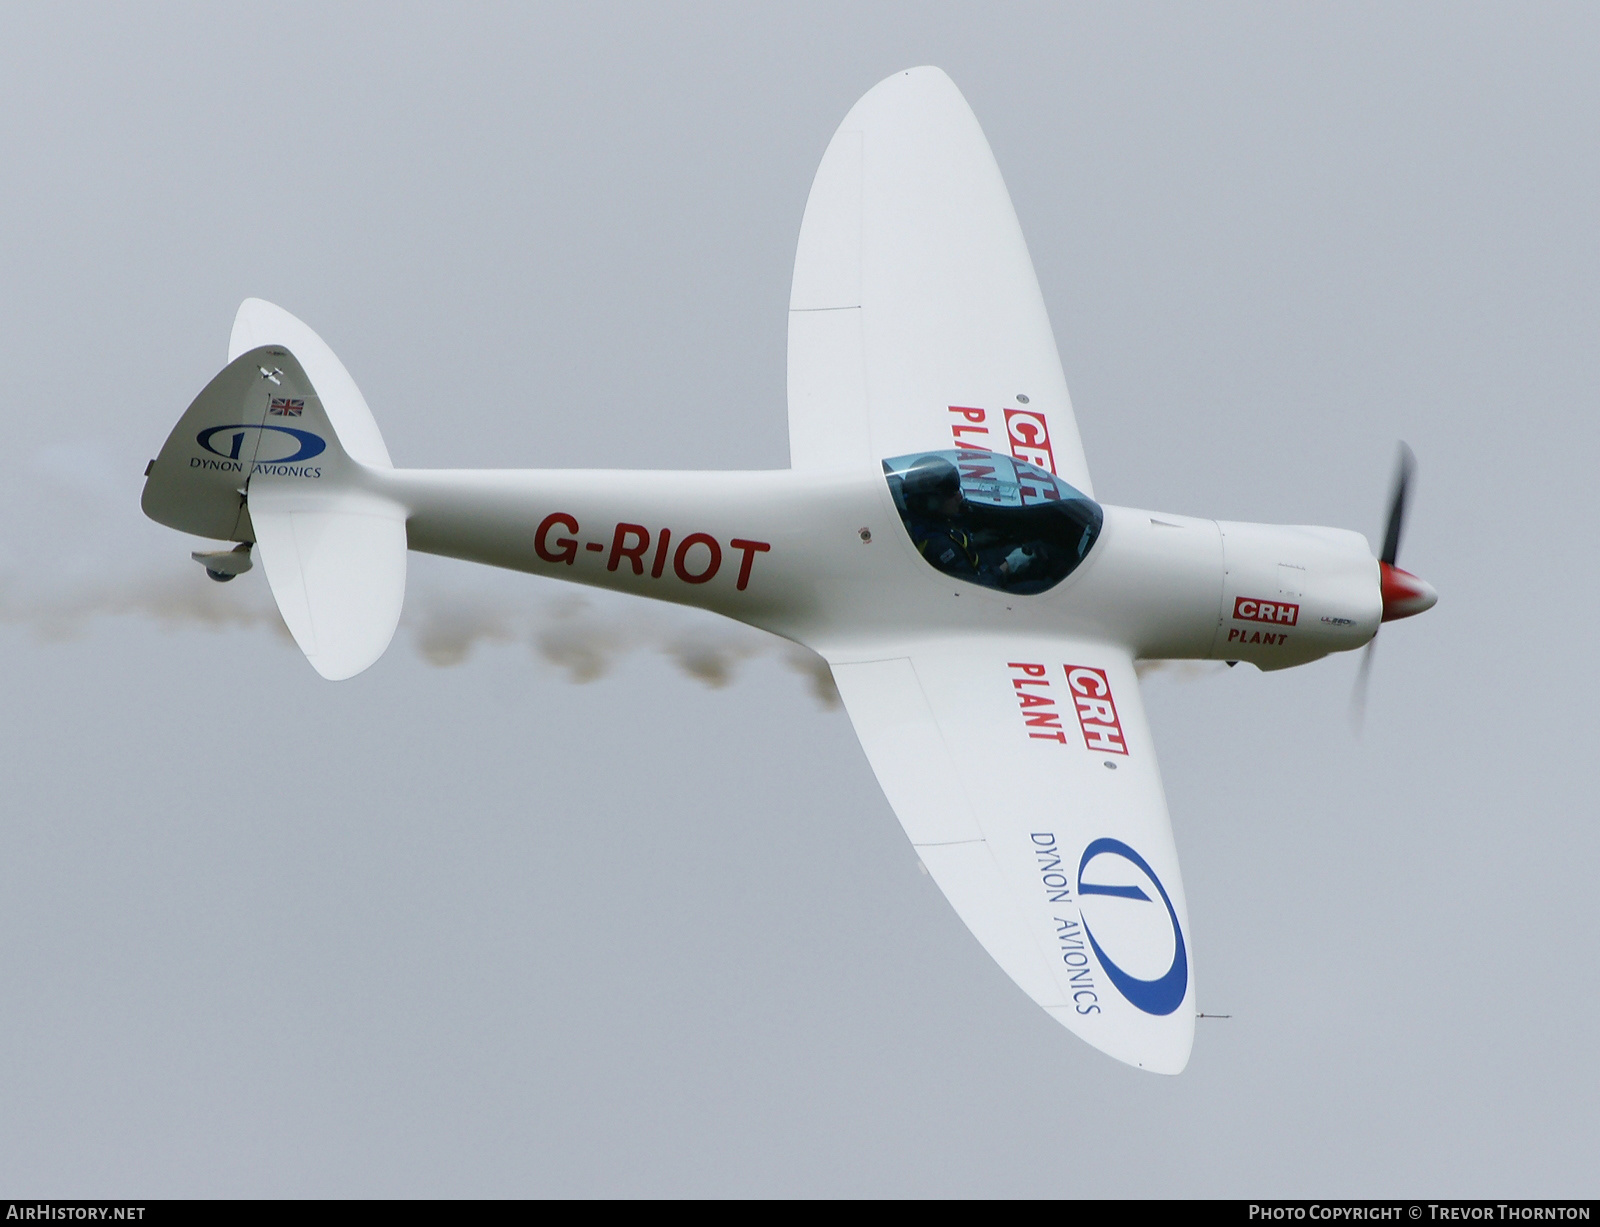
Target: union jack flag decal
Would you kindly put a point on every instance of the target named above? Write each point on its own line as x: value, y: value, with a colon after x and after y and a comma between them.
x: 283, y: 407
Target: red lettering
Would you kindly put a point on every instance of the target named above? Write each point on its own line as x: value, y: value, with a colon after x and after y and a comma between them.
x: 634, y: 553
x: 1047, y: 719
x: 1087, y: 681
x: 1097, y: 710
x: 958, y: 431
x: 569, y: 547
x: 1026, y: 428
x: 1100, y: 737
x: 661, y: 553
x: 751, y: 549
x: 1029, y: 437
x: 693, y: 539
x: 972, y: 415
x: 1253, y: 609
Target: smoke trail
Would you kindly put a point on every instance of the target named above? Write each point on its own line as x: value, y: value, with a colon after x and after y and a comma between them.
x: 64, y: 613
x: 585, y: 640
x: 815, y: 670
x: 579, y: 637
x: 446, y: 631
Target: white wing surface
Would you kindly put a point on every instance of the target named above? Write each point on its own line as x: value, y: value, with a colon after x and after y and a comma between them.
x: 1024, y: 774
x: 915, y: 318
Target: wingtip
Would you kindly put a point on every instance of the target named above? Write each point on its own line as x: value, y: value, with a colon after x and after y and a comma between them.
x: 930, y: 74
x: 1165, y: 1052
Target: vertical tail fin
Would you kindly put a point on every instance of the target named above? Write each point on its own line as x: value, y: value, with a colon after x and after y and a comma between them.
x: 281, y: 449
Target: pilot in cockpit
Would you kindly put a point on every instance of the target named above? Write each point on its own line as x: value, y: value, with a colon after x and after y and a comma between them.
x: 944, y: 530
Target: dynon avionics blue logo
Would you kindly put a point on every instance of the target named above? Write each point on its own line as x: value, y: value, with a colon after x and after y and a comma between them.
x: 1165, y: 992
x: 278, y: 444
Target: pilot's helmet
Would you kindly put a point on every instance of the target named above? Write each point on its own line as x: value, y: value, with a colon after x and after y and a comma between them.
x: 929, y: 482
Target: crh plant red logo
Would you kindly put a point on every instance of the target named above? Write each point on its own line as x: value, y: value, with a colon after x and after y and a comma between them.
x: 1097, y: 711
x: 1249, y: 609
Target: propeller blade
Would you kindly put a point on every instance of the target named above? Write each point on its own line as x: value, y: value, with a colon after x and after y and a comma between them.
x: 1397, y: 506
x: 1404, y: 594
x: 1358, y: 694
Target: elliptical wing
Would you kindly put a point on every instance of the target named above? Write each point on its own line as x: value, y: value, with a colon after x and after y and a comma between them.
x: 1023, y: 772
x: 915, y: 318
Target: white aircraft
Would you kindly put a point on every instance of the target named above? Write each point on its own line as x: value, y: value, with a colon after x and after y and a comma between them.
x: 936, y: 540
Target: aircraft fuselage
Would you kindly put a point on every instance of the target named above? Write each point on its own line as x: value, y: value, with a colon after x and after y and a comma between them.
x: 822, y: 558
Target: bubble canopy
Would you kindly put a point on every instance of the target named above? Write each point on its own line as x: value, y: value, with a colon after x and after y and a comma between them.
x: 991, y: 519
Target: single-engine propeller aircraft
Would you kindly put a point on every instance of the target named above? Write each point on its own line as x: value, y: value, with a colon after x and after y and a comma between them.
x: 936, y: 539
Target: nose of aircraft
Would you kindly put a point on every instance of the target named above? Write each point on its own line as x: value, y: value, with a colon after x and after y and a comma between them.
x: 1404, y: 594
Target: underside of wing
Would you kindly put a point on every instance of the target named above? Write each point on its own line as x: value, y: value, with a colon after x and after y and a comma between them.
x: 915, y: 319
x: 1024, y: 774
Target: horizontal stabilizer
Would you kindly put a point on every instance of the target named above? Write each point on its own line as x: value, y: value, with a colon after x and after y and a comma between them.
x: 337, y: 566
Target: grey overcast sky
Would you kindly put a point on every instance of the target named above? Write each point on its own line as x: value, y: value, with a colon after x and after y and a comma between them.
x: 480, y: 930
